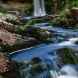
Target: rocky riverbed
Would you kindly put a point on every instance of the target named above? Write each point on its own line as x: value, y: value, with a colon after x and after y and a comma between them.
x: 37, y: 51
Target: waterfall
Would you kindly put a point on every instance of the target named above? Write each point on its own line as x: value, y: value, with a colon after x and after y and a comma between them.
x: 39, y: 8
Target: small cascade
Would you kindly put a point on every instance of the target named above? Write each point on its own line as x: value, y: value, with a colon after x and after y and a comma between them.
x: 69, y: 70
x: 39, y: 8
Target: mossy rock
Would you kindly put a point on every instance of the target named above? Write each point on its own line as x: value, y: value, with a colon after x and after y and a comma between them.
x: 38, y: 65
x: 67, y: 55
x: 38, y: 33
x: 66, y: 19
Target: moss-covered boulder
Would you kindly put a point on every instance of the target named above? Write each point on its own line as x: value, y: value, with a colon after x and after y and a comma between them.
x: 37, y: 66
x: 40, y: 34
x: 67, y: 55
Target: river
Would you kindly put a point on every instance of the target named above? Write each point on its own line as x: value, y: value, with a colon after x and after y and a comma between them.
x: 47, y: 51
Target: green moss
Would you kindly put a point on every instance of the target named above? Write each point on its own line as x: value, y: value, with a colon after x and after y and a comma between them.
x: 68, y: 56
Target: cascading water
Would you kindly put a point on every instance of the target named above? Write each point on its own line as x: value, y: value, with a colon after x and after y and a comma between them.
x: 47, y: 52
x: 39, y: 8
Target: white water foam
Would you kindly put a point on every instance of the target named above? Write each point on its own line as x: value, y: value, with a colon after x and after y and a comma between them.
x: 39, y: 8
x: 69, y: 42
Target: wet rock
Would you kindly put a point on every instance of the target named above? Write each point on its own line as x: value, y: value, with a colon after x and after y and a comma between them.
x: 7, y: 37
x: 76, y: 42
x: 8, y: 68
x: 38, y: 33
x: 11, y: 41
x: 8, y: 26
x: 37, y: 66
x: 24, y: 43
x: 67, y: 56
x: 33, y: 68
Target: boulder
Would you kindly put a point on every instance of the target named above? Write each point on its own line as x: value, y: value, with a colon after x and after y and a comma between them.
x: 40, y: 34
x: 11, y: 41
x: 8, y: 68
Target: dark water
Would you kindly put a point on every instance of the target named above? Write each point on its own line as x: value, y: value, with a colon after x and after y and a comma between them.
x: 47, y: 52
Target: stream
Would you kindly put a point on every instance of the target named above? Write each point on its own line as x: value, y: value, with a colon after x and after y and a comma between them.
x: 47, y: 51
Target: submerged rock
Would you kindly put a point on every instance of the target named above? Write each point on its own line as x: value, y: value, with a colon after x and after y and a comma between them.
x: 38, y: 65
x: 34, y: 68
